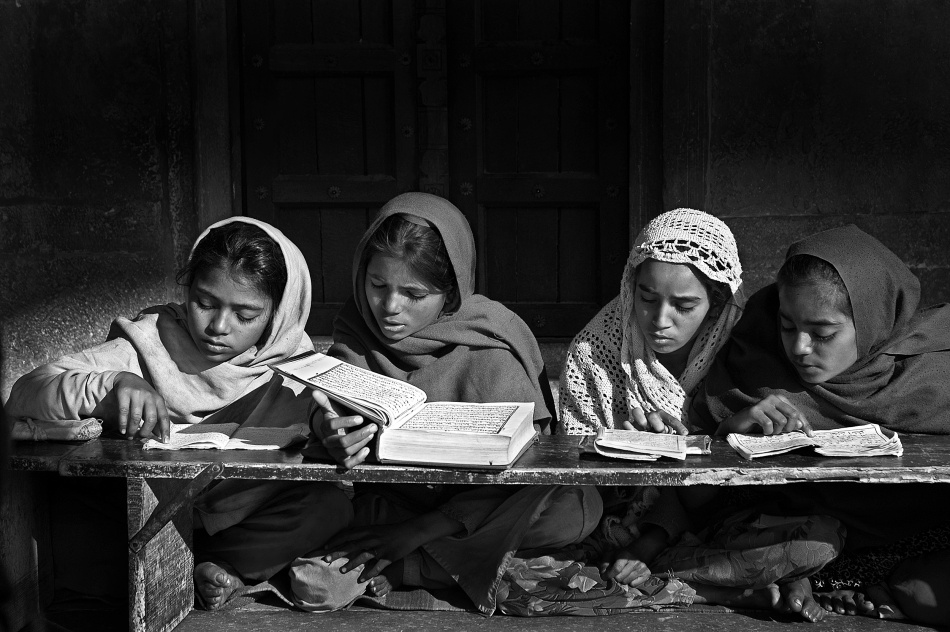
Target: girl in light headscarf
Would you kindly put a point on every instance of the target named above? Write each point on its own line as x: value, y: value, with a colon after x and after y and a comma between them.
x: 248, y: 299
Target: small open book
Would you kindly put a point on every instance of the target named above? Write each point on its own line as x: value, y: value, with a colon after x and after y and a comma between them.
x: 455, y: 434
x: 636, y: 445
x: 866, y: 440
x: 229, y: 436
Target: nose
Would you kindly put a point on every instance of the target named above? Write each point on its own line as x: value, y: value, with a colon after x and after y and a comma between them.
x: 661, y: 317
x: 802, y: 345
x: 219, y: 324
x: 392, y: 303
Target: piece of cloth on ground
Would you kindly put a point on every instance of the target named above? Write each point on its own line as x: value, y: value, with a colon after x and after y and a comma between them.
x: 747, y: 549
x: 537, y: 516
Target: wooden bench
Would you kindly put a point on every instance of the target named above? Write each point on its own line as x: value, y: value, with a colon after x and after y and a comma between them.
x: 161, y: 486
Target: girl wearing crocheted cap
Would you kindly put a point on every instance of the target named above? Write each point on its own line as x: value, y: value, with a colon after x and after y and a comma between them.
x: 636, y: 364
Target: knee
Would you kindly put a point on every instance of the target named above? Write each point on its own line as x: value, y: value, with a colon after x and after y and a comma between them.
x: 323, y: 510
x: 921, y: 588
x: 573, y: 515
x: 317, y: 586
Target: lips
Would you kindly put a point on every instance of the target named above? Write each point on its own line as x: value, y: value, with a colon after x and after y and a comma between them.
x: 215, y: 346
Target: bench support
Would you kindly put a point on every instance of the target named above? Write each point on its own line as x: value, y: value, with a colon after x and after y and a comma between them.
x: 161, y: 561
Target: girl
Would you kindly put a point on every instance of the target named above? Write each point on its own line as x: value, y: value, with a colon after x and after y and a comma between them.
x: 413, y: 316
x: 248, y: 299
x: 839, y: 340
x: 640, y: 359
x: 636, y: 366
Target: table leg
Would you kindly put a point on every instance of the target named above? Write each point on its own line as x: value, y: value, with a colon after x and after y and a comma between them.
x: 161, y: 589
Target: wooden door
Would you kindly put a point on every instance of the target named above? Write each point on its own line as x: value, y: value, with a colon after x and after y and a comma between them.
x: 328, y: 126
x: 525, y: 101
x: 538, y: 151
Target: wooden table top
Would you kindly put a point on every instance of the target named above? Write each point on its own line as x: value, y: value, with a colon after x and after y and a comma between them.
x: 551, y: 460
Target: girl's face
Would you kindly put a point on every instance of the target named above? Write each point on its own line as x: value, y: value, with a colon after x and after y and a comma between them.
x: 402, y: 302
x: 227, y: 314
x: 819, y: 339
x: 671, y: 304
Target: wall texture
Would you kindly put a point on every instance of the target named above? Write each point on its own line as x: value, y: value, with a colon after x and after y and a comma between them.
x: 789, y: 117
x: 96, y: 168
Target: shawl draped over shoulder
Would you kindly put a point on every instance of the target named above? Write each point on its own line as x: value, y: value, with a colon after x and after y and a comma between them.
x: 157, y: 346
x: 481, y: 352
x: 900, y: 378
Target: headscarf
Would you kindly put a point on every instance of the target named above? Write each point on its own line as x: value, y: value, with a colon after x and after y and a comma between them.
x: 903, y: 367
x: 451, y: 354
x: 682, y: 236
x: 611, y: 370
x: 192, y: 391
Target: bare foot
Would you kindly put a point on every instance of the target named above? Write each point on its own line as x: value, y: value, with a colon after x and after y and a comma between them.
x: 797, y: 598
x: 390, y: 579
x: 214, y: 584
x: 847, y: 601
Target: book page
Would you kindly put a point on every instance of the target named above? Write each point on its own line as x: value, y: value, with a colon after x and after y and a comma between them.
x: 461, y: 417
x: 764, y: 444
x: 267, y: 438
x: 857, y: 437
x: 361, y: 384
x: 640, y: 441
x: 193, y: 437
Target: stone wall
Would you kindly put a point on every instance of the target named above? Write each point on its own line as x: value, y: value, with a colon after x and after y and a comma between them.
x: 789, y: 117
x: 96, y: 169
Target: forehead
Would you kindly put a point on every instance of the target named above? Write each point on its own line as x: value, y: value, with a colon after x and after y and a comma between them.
x: 230, y: 286
x: 670, y: 278
x: 817, y: 302
x: 393, y: 270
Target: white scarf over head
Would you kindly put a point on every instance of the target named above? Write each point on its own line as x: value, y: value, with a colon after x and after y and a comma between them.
x: 610, y: 369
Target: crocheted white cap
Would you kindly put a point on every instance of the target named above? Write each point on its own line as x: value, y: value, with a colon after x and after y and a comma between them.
x: 685, y: 235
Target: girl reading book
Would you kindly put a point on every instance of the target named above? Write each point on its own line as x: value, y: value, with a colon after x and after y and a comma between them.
x: 839, y: 340
x: 414, y: 316
x: 248, y: 299
x: 636, y: 366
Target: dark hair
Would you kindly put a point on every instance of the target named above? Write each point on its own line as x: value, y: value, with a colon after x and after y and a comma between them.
x: 421, y: 248
x: 801, y: 270
x: 719, y: 292
x: 243, y: 248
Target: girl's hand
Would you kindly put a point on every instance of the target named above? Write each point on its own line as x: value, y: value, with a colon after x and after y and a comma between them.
x: 658, y: 421
x: 774, y: 415
x: 141, y: 410
x: 345, y: 438
x: 376, y: 547
x: 626, y: 569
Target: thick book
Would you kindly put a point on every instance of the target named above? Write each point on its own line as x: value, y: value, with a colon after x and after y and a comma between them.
x: 637, y: 445
x: 454, y: 434
x: 230, y: 436
x: 866, y: 440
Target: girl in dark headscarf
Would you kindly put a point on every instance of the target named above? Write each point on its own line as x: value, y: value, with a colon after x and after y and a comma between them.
x: 414, y: 316
x: 839, y: 340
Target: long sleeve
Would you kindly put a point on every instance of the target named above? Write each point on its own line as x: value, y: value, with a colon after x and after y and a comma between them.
x: 72, y: 386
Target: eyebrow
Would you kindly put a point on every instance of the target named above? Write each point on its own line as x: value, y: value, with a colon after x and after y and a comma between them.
x: 239, y: 307
x: 813, y: 322
x: 686, y: 297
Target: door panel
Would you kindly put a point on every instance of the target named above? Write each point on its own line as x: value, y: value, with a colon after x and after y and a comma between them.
x: 539, y: 159
x: 329, y: 97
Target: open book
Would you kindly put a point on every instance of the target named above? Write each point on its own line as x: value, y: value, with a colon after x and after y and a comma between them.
x: 229, y: 436
x: 636, y: 445
x: 866, y: 440
x: 412, y: 431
